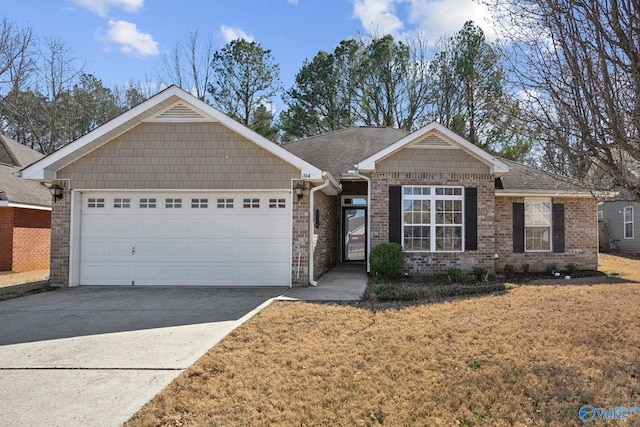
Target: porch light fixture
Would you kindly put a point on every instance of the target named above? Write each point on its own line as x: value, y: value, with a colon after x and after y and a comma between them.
x: 299, y: 188
x: 56, y: 192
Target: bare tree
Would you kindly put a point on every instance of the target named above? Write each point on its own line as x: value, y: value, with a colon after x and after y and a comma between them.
x: 578, y: 63
x: 188, y: 64
x: 16, y: 55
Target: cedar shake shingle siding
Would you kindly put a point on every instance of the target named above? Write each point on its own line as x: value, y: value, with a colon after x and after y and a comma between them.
x: 180, y: 156
x: 433, y: 161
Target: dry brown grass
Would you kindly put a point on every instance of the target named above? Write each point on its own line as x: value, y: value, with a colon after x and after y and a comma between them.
x: 531, y: 356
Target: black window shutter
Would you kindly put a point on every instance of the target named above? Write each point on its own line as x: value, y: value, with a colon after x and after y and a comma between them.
x: 557, y: 217
x: 470, y: 219
x: 518, y: 227
x: 395, y: 214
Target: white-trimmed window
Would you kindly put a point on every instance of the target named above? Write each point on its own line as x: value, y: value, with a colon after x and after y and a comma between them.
x: 95, y: 202
x: 250, y: 203
x: 172, y: 203
x: 121, y: 203
x: 277, y: 203
x: 628, y: 222
x: 225, y: 204
x: 537, y: 226
x: 199, y: 203
x: 147, y: 203
x: 433, y: 219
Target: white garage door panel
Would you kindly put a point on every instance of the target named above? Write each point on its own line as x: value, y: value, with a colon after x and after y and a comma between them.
x: 185, y: 245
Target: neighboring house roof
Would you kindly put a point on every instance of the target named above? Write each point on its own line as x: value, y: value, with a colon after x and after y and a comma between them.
x: 14, y: 191
x: 526, y: 180
x: 337, y: 152
x: 171, y: 104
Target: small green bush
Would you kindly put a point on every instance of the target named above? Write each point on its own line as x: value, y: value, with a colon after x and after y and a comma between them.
x: 550, y: 268
x: 571, y: 268
x: 386, y: 260
x: 509, y: 270
x: 456, y: 275
x: 481, y: 274
x: 525, y: 268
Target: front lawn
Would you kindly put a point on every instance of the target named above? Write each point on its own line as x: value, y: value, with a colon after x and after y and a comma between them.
x: 532, y: 355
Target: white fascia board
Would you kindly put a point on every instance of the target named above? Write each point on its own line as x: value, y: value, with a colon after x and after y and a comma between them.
x: 7, y: 204
x: 498, y: 168
x: 136, y: 115
x: 542, y: 194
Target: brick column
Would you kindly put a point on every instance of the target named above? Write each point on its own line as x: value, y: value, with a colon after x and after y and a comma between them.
x: 60, y: 234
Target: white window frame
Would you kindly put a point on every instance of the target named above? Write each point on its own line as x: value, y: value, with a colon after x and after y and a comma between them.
x: 433, y: 198
x: 224, y: 203
x: 173, y: 203
x: 627, y: 219
x: 549, y: 227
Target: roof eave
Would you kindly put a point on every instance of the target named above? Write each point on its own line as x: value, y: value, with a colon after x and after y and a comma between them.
x: 543, y: 193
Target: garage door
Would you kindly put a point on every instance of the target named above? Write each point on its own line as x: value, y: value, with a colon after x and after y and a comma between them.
x: 185, y: 239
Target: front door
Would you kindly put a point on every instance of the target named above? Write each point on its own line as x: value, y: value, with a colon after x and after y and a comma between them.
x: 354, y: 233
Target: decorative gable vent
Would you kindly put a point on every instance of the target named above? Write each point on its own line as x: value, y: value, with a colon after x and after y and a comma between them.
x: 432, y: 141
x: 181, y: 112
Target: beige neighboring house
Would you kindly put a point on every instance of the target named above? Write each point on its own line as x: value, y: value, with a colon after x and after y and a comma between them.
x: 173, y: 192
x: 25, y: 212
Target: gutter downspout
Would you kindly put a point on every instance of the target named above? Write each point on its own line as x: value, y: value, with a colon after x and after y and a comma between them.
x: 311, y: 225
x: 366, y: 178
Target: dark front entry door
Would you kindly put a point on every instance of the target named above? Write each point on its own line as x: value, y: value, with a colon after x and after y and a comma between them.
x: 354, y: 234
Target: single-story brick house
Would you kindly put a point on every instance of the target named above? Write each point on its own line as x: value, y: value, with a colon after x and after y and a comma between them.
x: 25, y: 212
x: 173, y: 192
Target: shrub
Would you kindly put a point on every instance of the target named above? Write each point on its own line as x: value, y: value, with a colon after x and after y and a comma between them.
x: 571, y: 268
x: 525, y: 268
x: 481, y: 274
x: 456, y: 275
x: 509, y: 270
x: 386, y: 260
x: 550, y: 268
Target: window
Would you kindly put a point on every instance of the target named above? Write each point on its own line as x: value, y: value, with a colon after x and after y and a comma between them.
x: 537, y: 226
x: 225, y: 203
x: 173, y: 203
x: 628, y: 222
x: 277, y: 203
x: 121, y: 203
x: 147, y: 203
x: 251, y: 203
x: 432, y: 219
x: 199, y: 203
x: 94, y: 202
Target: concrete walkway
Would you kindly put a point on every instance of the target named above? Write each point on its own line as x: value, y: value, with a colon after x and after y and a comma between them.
x: 345, y: 282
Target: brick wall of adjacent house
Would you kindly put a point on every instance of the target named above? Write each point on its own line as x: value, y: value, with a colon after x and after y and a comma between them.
x: 25, y: 239
x: 325, y: 234
x: 437, y: 262
x: 300, y: 240
x: 60, y: 235
x: 31, y: 239
x: 581, y: 236
x: 6, y: 238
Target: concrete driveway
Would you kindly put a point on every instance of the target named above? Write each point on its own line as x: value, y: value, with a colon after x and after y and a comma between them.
x: 95, y: 355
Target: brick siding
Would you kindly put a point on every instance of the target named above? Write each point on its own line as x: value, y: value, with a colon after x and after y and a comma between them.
x: 581, y: 236
x: 6, y: 238
x: 437, y: 262
x: 60, y: 234
x: 326, y: 234
x: 25, y: 239
x: 300, y: 240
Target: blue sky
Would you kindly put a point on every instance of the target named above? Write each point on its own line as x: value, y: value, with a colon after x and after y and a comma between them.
x: 120, y: 40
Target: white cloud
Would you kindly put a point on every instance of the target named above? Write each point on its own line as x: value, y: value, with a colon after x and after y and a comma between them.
x: 378, y: 15
x: 102, y: 7
x: 293, y: 1
x: 445, y: 17
x: 230, y: 33
x: 130, y: 39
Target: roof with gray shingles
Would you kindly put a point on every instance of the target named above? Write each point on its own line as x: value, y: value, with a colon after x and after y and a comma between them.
x: 13, y: 157
x: 526, y: 178
x: 337, y: 152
